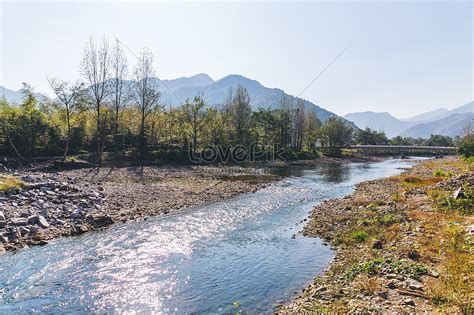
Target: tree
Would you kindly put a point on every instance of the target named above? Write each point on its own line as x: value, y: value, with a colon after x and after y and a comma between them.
x: 368, y: 136
x: 466, y: 141
x: 120, y: 93
x: 299, y: 125
x: 95, y: 68
x: 334, y: 135
x: 69, y: 107
x: 146, y: 94
x: 439, y: 140
x: 311, y: 129
x: 241, y: 115
x: 197, y: 118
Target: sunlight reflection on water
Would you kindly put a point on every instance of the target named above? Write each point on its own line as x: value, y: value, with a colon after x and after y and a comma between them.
x: 200, y: 260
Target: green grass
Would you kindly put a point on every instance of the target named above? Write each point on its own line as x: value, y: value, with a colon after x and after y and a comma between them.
x: 359, y: 236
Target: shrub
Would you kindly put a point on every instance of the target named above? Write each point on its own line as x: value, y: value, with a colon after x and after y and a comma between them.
x: 359, y: 236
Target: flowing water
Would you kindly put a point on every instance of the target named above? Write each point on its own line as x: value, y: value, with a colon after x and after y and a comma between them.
x: 201, y: 260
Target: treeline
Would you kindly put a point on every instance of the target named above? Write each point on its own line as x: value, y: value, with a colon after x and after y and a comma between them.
x: 120, y: 112
x: 371, y: 137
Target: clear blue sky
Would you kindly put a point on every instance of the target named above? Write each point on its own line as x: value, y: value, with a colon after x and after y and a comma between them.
x: 404, y: 58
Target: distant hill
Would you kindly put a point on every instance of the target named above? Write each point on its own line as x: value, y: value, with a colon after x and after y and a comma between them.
x: 442, y: 121
x: 175, y: 92
x: 380, y: 122
x: 16, y: 97
x: 451, y: 125
x: 428, y: 116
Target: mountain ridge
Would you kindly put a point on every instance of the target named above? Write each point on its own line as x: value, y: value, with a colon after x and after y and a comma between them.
x: 433, y: 122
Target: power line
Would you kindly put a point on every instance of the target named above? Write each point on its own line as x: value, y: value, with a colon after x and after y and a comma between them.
x: 155, y: 77
x: 324, y: 69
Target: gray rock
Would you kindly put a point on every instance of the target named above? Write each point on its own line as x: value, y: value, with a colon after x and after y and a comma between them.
x: 23, y: 230
x: 383, y: 294
x: 377, y: 244
x: 409, y: 301
x: 20, y: 221
x: 415, y: 285
x: 79, y: 229
x: 458, y: 193
x: 434, y: 274
x: 2, y: 216
x: 99, y: 220
x: 39, y: 220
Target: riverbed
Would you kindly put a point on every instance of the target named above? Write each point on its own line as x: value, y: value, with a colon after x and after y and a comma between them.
x: 243, y: 253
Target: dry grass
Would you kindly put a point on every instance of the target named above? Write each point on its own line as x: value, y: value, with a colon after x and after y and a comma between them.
x: 7, y: 182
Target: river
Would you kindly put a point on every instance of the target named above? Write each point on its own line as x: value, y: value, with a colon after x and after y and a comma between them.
x: 201, y: 260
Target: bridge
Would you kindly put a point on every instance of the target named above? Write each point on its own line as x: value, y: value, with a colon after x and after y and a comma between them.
x: 404, y: 150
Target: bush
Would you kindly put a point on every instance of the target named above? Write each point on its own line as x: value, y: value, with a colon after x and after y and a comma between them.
x: 359, y: 236
x: 466, y: 149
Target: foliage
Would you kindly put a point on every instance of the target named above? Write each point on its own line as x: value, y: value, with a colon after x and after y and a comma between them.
x: 359, y: 236
x: 370, y: 137
x: 334, y: 135
x: 439, y: 141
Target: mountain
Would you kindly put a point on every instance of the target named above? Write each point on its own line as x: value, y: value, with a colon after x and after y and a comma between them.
x: 428, y: 116
x: 380, y: 122
x: 442, y: 121
x: 16, y: 97
x: 198, y: 80
x: 175, y: 92
x: 451, y: 125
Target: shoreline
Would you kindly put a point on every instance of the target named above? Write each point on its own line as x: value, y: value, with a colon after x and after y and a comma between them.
x: 56, y: 203
x: 51, y: 205
x: 385, y: 258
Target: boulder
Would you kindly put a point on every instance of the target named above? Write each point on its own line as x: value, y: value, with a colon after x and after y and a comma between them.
x: 79, y: 229
x: 38, y: 220
x: 2, y: 216
x: 23, y: 230
x: 99, y: 220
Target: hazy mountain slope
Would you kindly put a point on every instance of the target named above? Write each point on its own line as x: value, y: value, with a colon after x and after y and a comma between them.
x: 449, y: 126
x: 217, y: 92
x: 466, y: 108
x: 422, y: 125
x: 198, y: 80
x: 428, y: 116
x: 16, y: 97
x: 380, y: 122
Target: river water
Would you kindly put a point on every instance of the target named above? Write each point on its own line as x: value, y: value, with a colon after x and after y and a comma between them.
x: 201, y: 260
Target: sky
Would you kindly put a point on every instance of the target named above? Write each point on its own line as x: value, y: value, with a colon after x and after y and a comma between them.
x: 402, y: 57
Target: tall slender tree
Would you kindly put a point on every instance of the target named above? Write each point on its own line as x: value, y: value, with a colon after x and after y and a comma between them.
x: 120, y: 90
x: 146, y: 93
x: 95, y: 68
x: 70, y: 106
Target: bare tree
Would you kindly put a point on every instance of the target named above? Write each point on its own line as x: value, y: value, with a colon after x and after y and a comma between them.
x: 95, y: 68
x: 70, y: 105
x: 241, y: 114
x: 145, y: 92
x: 120, y: 90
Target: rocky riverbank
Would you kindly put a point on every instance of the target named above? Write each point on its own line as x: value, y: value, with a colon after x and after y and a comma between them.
x: 403, y: 245
x: 43, y: 205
